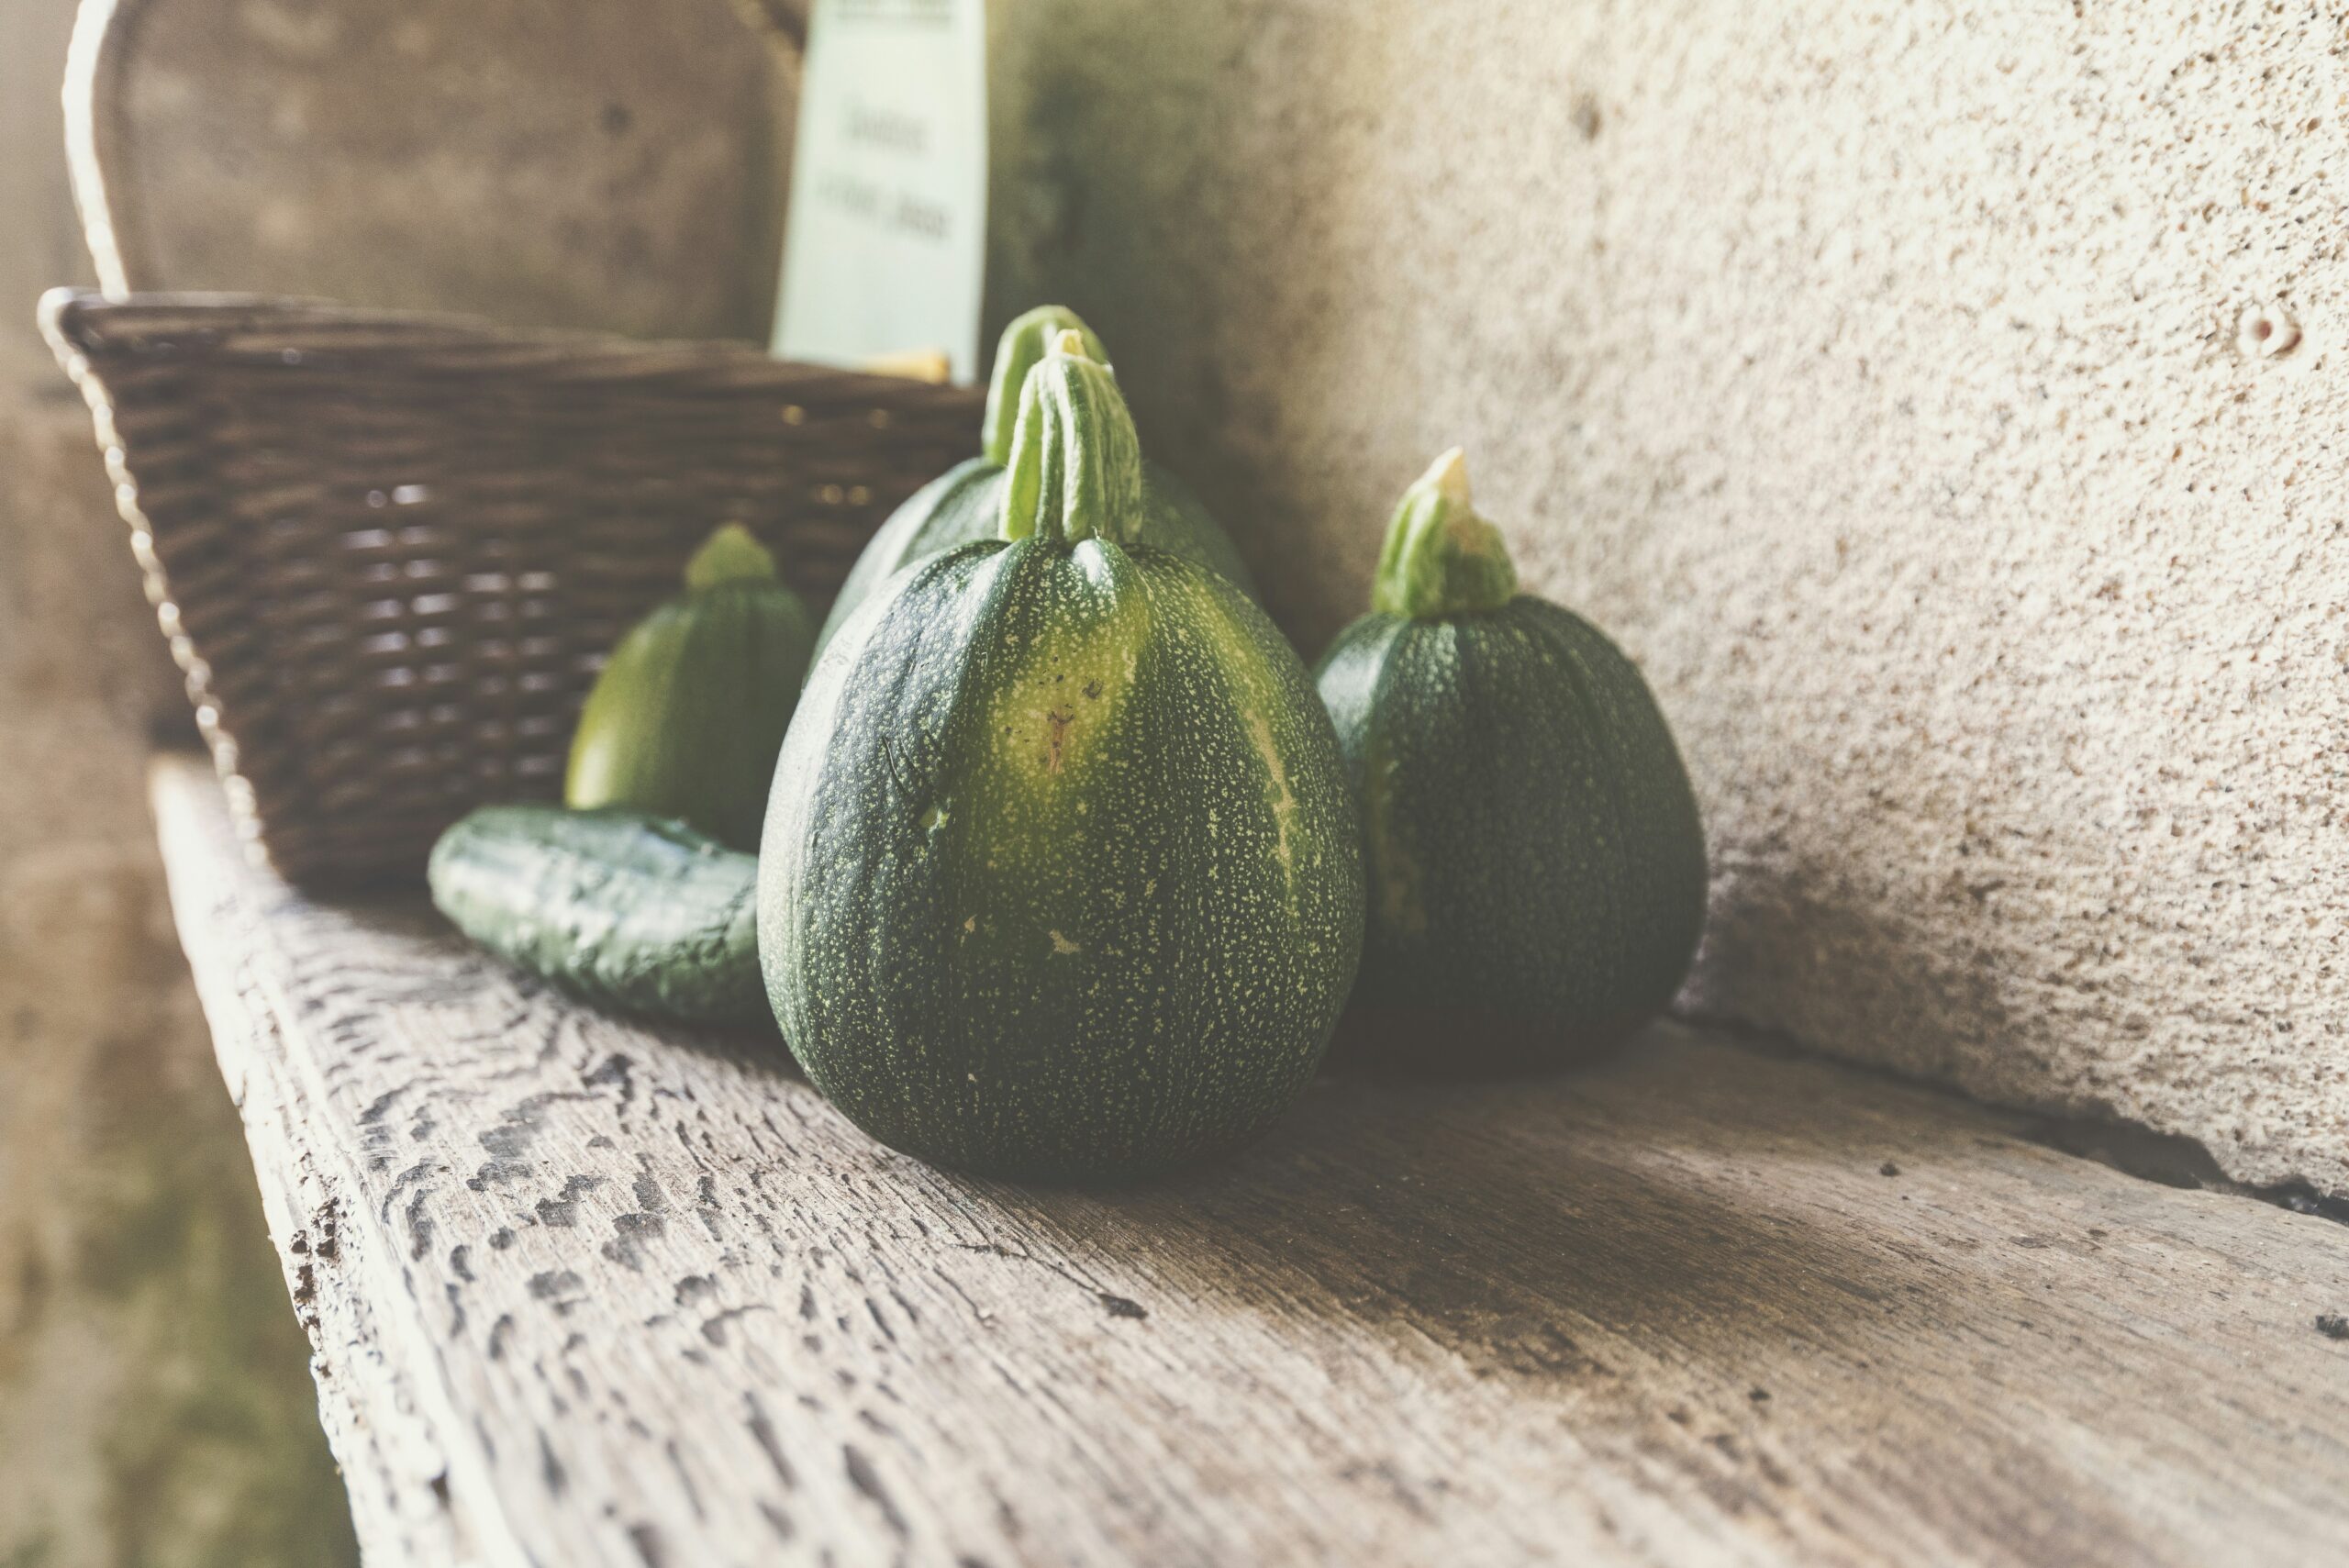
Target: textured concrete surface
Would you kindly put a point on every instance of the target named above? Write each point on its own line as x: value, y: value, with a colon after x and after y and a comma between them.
x: 156, y: 1410
x: 1941, y: 400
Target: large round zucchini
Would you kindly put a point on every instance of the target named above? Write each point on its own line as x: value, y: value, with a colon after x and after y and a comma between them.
x: 1060, y: 879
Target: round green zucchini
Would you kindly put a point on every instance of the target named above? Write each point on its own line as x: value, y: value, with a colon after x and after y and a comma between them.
x: 687, y: 717
x: 1060, y: 878
x: 965, y: 503
x: 1535, y: 861
x: 626, y: 910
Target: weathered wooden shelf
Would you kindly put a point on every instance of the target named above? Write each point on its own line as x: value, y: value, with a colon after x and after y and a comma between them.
x: 583, y: 1293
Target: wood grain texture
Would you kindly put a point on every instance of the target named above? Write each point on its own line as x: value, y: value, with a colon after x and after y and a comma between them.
x: 653, y: 1303
x: 391, y: 1450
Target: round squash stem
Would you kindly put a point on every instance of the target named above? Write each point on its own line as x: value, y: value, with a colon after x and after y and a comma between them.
x: 1076, y: 470
x: 1441, y: 557
x: 1022, y: 344
x: 729, y: 553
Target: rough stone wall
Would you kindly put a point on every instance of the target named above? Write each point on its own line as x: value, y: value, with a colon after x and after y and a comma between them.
x: 156, y: 1410
x: 1943, y: 401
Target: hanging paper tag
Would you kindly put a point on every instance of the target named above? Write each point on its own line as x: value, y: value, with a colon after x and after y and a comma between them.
x: 886, y: 243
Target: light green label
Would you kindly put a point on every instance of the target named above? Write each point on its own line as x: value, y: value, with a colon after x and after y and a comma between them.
x: 887, y: 238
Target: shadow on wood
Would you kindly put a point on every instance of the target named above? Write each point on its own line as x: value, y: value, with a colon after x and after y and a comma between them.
x: 1698, y: 1306
x: 1496, y: 1222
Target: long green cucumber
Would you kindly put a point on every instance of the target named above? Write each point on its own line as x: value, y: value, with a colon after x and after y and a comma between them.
x: 629, y: 911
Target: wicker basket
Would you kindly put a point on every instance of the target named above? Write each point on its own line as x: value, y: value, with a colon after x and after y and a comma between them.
x: 389, y: 549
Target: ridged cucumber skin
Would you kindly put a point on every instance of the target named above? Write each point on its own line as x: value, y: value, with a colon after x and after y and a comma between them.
x: 1060, y: 878
x: 964, y: 505
x: 629, y: 911
x: 1533, y: 854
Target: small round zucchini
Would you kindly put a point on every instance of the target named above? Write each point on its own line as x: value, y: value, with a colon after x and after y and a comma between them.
x: 1535, y: 862
x: 687, y: 717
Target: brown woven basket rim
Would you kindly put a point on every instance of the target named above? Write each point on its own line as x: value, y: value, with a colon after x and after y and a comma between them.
x: 185, y: 337
x: 431, y: 344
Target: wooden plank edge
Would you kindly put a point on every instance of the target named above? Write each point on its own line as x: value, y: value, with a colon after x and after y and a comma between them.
x: 386, y: 1416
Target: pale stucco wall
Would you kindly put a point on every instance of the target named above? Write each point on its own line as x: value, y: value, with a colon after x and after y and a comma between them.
x: 1876, y: 373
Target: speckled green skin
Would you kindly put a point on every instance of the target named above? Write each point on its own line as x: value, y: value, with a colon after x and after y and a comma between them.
x: 1060, y: 878
x: 965, y: 504
x: 1535, y: 862
x: 687, y: 717
x: 633, y: 913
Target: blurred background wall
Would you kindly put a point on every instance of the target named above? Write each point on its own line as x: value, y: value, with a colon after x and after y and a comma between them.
x: 155, y: 1399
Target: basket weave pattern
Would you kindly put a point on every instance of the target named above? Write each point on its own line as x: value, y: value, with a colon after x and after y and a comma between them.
x: 390, y: 551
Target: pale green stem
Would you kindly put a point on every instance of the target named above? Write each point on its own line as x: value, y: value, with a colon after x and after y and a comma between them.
x: 729, y: 553
x: 1023, y: 343
x: 1442, y: 558
x: 1076, y: 469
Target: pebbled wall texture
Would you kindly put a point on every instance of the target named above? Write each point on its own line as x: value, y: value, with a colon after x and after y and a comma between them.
x: 1947, y: 403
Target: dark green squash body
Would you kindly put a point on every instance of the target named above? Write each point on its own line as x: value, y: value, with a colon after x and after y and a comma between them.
x: 1535, y: 864
x: 1535, y: 861
x: 1060, y: 879
x: 625, y: 910
x: 687, y: 717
